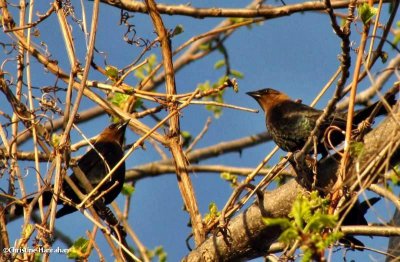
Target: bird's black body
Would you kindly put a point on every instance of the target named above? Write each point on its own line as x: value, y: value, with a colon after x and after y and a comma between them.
x: 95, y: 169
x: 290, y: 123
x: 356, y: 216
x: 95, y: 165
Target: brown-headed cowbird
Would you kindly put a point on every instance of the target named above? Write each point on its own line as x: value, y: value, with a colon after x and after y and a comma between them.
x: 95, y: 164
x: 290, y: 123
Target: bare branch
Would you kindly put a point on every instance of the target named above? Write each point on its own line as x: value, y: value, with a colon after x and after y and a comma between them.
x: 267, y: 12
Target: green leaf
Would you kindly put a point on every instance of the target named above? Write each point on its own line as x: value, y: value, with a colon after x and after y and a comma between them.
x: 289, y: 235
x: 366, y: 12
x: 217, y: 110
x: 112, y: 72
x: 78, y: 249
x: 300, y: 212
x: 235, y: 20
x: 219, y: 64
x: 212, y: 207
x: 307, y: 256
x: 158, y: 252
x: 237, y: 74
x: 139, y: 73
x: 204, y: 86
x: 284, y: 223
x: 119, y: 99
x: 152, y: 61
x: 225, y: 176
x: 187, y: 138
x: 212, y: 214
x: 55, y: 139
x: 220, y: 82
x: 177, y: 30
x: 162, y: 255
x: 320, y: 221
x: 229, y: 178
x: 142, y: 72
x: 127, y: 189
x: 332, y: 238
x: 396, y: 38
x: 310, y: 219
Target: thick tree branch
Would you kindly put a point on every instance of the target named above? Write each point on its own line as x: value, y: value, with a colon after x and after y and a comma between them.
x: 266, y: 12
x: 184, y: 182
x: 249, y: 237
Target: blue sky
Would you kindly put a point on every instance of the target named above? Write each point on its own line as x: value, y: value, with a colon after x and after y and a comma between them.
x: 295, y: 54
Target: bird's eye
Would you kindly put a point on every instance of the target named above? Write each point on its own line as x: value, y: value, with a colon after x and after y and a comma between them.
x: 113, y: 126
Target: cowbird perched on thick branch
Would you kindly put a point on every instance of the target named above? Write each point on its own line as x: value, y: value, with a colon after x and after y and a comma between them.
x: 291, y: 123
x: 95, y: 165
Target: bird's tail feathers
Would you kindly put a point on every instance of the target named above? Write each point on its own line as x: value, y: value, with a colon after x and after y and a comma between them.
x: 364, y: 113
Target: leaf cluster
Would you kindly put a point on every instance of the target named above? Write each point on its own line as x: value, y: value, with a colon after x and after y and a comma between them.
x: 212, y: 214
x: 231, y: 178
x: 158, y: 252
x: 79, y: 249
x: 308, y: 223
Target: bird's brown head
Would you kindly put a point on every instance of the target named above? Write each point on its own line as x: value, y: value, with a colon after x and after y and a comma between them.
x: 114, y: 132
x: 268, y: 98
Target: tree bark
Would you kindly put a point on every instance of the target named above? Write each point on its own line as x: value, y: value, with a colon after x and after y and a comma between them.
x: 248, y: 237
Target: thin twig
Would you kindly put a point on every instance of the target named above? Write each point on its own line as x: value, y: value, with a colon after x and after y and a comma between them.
x: 199, y: 136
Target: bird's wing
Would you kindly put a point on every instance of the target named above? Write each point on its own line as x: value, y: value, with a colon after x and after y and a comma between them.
x: 366, y: 204
x: 298, y: 117
x: 92, y: 164
x: 313, y: 114
x: 95, y: 168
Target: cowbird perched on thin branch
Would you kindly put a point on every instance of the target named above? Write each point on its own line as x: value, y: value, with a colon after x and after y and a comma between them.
x: 290, y: 123
x: 95, y: 165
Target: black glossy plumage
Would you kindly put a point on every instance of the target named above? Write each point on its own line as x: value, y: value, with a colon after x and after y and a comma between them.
x: 95, y: 167
x: 356, y: 216
x: 290, y: 123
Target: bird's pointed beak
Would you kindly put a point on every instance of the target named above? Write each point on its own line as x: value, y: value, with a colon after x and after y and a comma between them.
x: 120, y: 133
x: 254, y: 94
x: 122, y: 126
